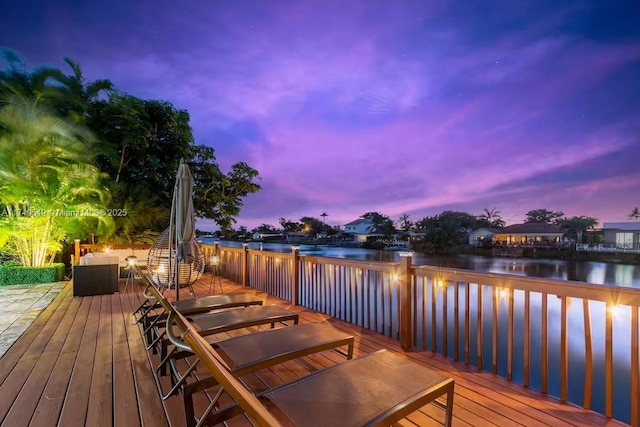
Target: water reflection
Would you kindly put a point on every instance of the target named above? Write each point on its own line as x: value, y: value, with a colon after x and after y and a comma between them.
x: 601, y: 273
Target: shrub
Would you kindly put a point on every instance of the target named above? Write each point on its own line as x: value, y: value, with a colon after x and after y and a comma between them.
x: 31, y: 275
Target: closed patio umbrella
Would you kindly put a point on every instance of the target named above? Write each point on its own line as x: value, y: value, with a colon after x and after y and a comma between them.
x: 175, y: 259
x: 182, y: 225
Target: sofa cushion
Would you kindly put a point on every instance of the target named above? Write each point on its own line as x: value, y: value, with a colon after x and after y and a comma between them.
x: 120, y: 256
x: 98, y: 259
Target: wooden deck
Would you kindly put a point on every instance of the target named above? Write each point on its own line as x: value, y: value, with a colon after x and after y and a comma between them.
x: 83, y: 362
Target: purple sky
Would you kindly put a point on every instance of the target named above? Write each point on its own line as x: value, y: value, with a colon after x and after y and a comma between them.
x: 391, y: 106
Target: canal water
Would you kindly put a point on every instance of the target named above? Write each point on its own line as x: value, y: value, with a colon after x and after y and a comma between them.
x: 624, y: 275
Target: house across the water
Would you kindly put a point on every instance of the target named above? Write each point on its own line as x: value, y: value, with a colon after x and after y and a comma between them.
x: 622, y: 235
x: 519, y: 234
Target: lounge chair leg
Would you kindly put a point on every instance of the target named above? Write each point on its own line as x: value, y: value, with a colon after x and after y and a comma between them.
x: 180, y: 381
x: 162, y: 367
x: 148, y: 331
x: 449, y: 411
x: 141, y: 306
x: 153, y: 344
x: 187, y: 401
x: 211, y: 406
x: 147, y: 308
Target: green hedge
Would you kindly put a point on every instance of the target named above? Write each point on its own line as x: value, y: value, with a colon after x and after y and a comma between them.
x: 31, y: 275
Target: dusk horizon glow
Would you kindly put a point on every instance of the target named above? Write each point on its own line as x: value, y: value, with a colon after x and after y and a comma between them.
x: 348, y: 107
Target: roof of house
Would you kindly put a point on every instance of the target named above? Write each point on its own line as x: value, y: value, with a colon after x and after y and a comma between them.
x: 490, y: 230
x: 357, y: 221
x: 621, y: 225
x: 530, y: 228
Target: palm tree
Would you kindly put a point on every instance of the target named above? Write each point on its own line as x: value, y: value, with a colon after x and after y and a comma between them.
x: 71, y: 94
x: 577, y: 225
x: 324, y: 215
x: 634, y: 214
x: 492, y: 217
x: 75, y: 93
x: 48, y: 187
x: 405, y: 222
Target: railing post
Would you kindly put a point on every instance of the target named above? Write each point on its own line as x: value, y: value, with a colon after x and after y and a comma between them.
x: 404, y: 286
x: 245, y: 264
x: 295, y: 274
x: 76, y: 255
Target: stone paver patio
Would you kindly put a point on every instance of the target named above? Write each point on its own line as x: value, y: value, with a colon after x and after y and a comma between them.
x: 19, y: 307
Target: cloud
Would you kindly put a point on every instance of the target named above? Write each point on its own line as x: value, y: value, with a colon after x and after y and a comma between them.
x: 351, y: 106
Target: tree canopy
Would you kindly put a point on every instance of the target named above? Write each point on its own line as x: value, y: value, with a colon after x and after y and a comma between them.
x: 544, y: 216
x: 49, y: 189
x: 490, y: 218
x: 135, y: 147
x: 381, y: 224
x: 576, y: 226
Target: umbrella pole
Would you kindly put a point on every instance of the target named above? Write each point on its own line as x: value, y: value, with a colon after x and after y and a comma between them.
x: 173, y: 253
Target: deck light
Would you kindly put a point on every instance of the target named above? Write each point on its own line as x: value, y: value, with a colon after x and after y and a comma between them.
x: 214, y: 260
x: 614, y: 310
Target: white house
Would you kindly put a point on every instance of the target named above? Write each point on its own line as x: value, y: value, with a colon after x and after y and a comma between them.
x: 360, y: 230
x: 624, y: 235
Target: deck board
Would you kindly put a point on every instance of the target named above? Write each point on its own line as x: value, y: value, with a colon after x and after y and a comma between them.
x: 101, y: 394
x: 76, y: 404
x: 83, y: 362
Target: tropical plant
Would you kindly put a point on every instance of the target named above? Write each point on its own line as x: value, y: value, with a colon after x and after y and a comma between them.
x: 634, y: 214
x: 290, y: 226
x: 544, y: 216
x: 49, y: 190
x: 490, y: 218
x: 16, y: 82
x: 446, y: 229
x: 69, y: 95
x: 241, y: 233
x: 405, y: 223
x: 576, y: 226
x: 312, y: 225
x: 139, y: 144
x: 324, y: 216
x: 380, y: 224
x: 136, y: 216
x: 456, y: 225
x: 265, y: 228
x: 74, y: 94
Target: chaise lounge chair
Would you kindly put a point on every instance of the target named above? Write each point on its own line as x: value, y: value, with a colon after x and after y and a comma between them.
x: 375, y: 390
x: 193, y: 307
x: 252, y: 352
x: 246, y: 354
x: 212, y: 322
